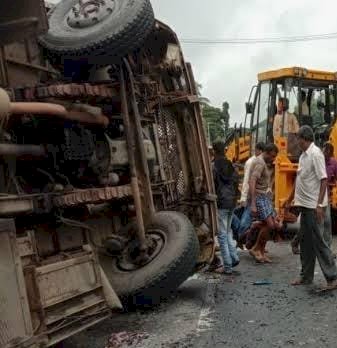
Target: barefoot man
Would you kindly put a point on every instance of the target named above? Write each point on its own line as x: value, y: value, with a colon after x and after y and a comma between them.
x: 310, y: 194
x: 261, y: 204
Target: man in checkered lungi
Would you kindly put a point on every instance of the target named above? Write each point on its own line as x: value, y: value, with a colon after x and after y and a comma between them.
x: 261, y: 203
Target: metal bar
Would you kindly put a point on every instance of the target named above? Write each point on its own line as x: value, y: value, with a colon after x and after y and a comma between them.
x: 52, y: 302
x: 258, y: 115
x: 57, y: 266
x: 132, y: 161
x: 299, y: 100
x: 150, y: 210
x: 73, y: 331
x: 205, y: 158
x: 56, y: 110
x: 22, y: 150
x: 7, y: 227
x: 31, y: 66
x: 87, y: 304
x: 28, y: 51
x: 202, y: 139
x: 4, y: 80
x: 169, y: 100
x: 159, y: 154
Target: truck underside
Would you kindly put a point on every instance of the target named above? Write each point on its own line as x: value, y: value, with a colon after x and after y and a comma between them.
x: 105, y: 181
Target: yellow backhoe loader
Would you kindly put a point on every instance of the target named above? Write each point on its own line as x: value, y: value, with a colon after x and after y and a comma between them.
x: 310, y: 96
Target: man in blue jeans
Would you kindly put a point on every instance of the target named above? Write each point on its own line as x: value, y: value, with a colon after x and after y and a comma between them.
x: 226, y: 185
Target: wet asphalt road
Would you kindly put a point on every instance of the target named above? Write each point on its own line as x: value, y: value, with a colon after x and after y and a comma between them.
x: 217, y: 311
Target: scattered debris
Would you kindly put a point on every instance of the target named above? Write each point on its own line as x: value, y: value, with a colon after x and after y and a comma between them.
x: 263, y: 282
x: 124, y: 338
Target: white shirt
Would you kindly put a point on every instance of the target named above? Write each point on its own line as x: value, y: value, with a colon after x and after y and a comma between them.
x: 245, y: 184
x: 290, y: 121
x: 311, y: 171
x: 305, y: 109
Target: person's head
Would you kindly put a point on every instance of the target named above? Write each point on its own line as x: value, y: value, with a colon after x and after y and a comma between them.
x: 305, y: 137
x: 219, y: 148
x: 328, y: 150
x: 282, y: 105
x: 259, y: 148
x: 270, y: 152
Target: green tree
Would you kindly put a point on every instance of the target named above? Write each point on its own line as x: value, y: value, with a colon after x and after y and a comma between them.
x: 216, y: 120
x: 202, y: 100
x: 225, y: 116
x: 213, y: 120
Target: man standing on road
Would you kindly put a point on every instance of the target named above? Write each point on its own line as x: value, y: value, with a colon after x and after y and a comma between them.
x: 331, y: 169
x: 261, y: 204
x: 311, y: 197
x: 226, y: 186
x: 246, y: 219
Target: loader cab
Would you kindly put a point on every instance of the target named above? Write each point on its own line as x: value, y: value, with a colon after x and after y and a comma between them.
x: 288, y: 98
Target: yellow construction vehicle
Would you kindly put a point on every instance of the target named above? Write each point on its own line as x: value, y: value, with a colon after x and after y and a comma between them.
x: 310, y: 97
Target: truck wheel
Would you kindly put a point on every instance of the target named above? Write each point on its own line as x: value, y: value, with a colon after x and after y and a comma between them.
x: 89, y: 29
x: 174, y: 256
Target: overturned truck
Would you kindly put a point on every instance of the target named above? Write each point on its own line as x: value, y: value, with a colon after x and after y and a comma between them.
x: 105, y: 181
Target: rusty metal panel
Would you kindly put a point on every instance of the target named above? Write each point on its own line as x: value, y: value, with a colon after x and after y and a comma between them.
x: 21, y: 75
x: 17, y: 50
x: 71, y: 295
x: 44, y: 240
x: 64, y: 280
x: 34, y: 52
x: 15, y: 321
x: 69, y: 237
x: 78, y: 305
x: 19, y: 19
x: 25, y: 246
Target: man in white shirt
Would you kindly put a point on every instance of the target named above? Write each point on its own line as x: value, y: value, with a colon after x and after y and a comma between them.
x: 290, y: 125
x: 310, y: 194
x: 259, y: 148
x: 246, y: 219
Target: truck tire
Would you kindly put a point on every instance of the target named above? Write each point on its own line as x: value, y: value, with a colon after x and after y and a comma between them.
x: 118, y: 28
x: 175, y: 262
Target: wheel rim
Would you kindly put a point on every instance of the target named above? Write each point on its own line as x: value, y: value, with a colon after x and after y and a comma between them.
x: 129, y: 261
x: 87, y: 13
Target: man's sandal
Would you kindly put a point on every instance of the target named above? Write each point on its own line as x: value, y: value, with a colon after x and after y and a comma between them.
x: 329, y: 287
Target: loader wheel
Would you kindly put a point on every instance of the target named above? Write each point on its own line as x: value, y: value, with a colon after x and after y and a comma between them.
x: 94, y: 29
x: 175, y: 251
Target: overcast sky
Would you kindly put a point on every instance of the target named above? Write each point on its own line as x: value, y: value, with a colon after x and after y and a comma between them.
x: 227, y: 72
